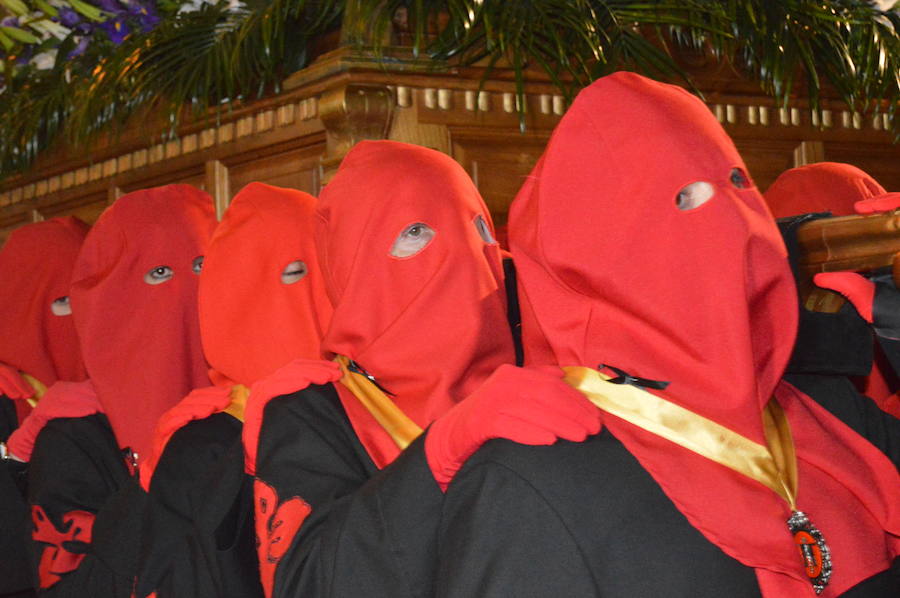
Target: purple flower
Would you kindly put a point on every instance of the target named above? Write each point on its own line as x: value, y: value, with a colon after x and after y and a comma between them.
x: 25, y: 55
x: 116, y: 29
x: 10, y: 22
x: 110, y: 6
x: 144, y: 13
x: 68, y: 17
x: 80, y: 47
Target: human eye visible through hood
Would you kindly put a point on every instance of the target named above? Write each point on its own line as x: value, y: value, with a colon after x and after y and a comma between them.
x: 61, y: 307
x: 694, y: 195
x: 293, y: 272
x: 412, y: 239
x: 159, y: 275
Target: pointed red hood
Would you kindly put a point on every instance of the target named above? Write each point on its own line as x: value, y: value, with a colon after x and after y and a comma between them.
x: 252, y: 320
x: 702, y: 298
x: 429, y: 327
x: 141, y: 341
x: 821, y: 187
x: 35, y: 269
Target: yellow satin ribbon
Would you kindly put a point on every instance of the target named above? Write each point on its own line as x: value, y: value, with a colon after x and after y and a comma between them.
x: 774, y: 465
x: 239, y: 394
x: 39, y: 389
x: 397, y: 424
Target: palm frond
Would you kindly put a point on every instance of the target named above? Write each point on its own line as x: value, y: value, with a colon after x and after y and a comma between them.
x: 205, y: 59
x: 848, y: 45
x: 196, y: 63
x: 572, y: 41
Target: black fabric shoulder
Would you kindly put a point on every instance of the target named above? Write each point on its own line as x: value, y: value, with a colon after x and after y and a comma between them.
x: 881, y: 585
x: 14, y: 517
x: 838, y: 395
x: 367, y: 532
x: 9, y: 420
x: 207, y: 546
x: 317, y: 402
x: 890, y: 350
x: 839, y: 343
x: 190, y: 453
x: 833, y: 344
x: 15, y: 526
x: 184, y: 479
x: 304, y: 421
x: 76, y: 465
x: 379, y: 541
x: 574, y: 519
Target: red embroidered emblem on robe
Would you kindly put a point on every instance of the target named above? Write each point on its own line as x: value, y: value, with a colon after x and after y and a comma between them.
x: 57, y: 558
x: 276, y: 526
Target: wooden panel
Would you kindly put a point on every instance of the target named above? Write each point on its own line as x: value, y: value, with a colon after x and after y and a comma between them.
x: 766, y: 158
x: 11, y: 226
x: 218, y: 185
x: 809, y: 152
x: 880, y: 161
x: 195, y: 176
x: 498, y: 164
x: 295, y: 169
x: 89, y: 209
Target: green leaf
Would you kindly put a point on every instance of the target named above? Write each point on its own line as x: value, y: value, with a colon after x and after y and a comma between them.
x: 7, y: 43
x: 88, y: 10
x: 46, y: 8
x: 17, y: 7
x: 20, y: 35
x: 51, y: 28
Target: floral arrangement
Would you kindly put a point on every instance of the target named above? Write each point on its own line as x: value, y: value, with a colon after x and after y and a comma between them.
x: 31, y: 36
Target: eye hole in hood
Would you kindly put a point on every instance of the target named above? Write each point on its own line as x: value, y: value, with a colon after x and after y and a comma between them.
x: 293, y: 272
x: 61, y: 306
x: 413, y: 239
x: 694, y: 195
x: 159, y: 275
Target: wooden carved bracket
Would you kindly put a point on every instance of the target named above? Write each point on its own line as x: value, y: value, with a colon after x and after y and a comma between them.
x: 351, y: 114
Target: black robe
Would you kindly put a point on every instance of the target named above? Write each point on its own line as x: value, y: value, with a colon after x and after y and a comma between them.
x: 15, y: 526
x: 582, y: 519
x: 586, y: 519
x: 199, y: 537
x: 370, y: 533
x: 76, y: 465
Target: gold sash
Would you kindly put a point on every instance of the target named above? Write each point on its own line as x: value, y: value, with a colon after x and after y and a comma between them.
x: 239, y: 394
x: 397, y: 424
x: 774, y: 466
x: 39, y: 389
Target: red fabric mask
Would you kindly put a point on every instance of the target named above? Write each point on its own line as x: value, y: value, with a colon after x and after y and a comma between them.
x: 821, y: 187
x: 134, y: 299
x: 430, y: 327
x: 618, y: 274
x: 36, y: 268
x: 256, y: 314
